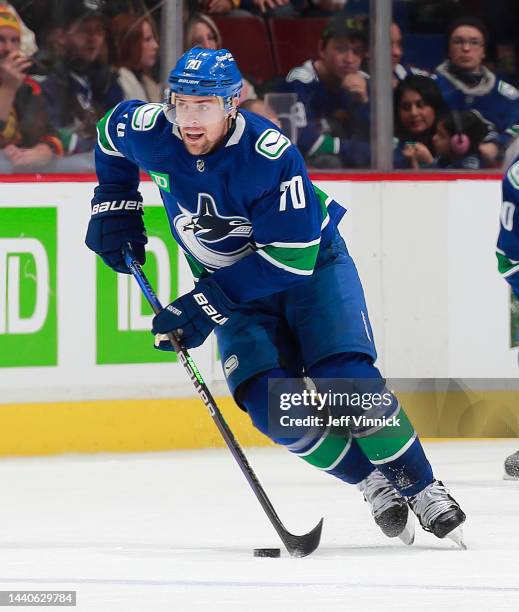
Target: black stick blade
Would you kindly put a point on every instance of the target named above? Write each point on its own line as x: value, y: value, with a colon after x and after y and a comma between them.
x: 301, y: 546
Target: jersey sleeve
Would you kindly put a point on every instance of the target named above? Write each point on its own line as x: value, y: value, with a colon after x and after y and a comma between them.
x: 287, y: 218
x: 117, y: 170
x: 508, y: 240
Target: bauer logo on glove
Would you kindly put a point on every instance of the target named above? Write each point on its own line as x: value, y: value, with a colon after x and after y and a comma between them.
x: 193, y: 316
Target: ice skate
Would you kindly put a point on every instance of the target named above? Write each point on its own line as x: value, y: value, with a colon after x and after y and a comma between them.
x: 512, y: 467
x: 439, y: 513
x: 388, y: 507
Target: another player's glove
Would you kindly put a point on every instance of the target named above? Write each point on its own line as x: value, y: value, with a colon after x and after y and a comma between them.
x: 112, y: 225
x: 193, y: 315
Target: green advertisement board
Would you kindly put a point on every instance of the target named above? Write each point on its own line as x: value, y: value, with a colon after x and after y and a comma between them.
x: 28, y: 287
x: 123, y: 315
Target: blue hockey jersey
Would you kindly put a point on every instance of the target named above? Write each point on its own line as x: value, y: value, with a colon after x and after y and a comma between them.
x: 495, y: 100
x: 245, y: 213
x: 508, y: 239
x: 328, y: 113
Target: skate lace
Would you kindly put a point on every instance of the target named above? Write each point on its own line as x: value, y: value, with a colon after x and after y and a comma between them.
x: 379, y: 493
x: 431, y: 502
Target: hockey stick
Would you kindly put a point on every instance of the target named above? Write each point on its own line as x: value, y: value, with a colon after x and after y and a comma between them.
x: 297, y: 546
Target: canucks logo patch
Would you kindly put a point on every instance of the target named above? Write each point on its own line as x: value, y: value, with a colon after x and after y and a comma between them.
x: 213, y: 239
x: 272, y: 144
x: 145, y: 117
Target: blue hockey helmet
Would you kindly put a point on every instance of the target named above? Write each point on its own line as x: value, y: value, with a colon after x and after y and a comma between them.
x: 206, y: 72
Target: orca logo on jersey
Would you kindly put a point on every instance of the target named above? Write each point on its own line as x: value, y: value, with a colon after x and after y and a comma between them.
x: 212, y: 238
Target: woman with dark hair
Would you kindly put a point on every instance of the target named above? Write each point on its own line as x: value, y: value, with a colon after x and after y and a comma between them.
x: 418, y: 105
x: 135, y: 50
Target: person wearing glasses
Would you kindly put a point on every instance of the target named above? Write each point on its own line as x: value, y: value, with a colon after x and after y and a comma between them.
x: 466, y: 84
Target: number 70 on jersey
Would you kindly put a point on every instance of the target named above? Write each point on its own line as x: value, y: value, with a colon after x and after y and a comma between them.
x: 295, y: 188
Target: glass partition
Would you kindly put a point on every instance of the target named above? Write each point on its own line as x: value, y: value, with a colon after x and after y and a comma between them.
x: 311, y: 66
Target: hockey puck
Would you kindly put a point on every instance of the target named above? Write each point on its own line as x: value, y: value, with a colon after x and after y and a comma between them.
x: 267, y: 552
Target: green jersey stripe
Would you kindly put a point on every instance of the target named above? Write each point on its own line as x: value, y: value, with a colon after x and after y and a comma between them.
x: 505, y: 265
x: 105, y: 142
x: 197, y: 269
x: 299, y: 259
x: 324, y: 201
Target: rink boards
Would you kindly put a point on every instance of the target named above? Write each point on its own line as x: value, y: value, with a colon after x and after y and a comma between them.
x: 78, y: 373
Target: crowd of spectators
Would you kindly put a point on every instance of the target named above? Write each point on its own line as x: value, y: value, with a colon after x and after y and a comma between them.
x: 63, y: 65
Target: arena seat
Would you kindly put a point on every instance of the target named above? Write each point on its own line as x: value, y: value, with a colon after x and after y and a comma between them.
x: 295, y: 40
x: 247, y: 38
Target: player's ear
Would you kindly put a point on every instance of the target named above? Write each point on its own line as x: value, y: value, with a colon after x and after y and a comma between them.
x: 234, y: 110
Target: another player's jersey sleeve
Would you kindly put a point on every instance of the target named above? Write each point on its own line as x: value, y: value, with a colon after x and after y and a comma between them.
x: 117, y: 170
x: 287, y: 220
x: 508, y: 241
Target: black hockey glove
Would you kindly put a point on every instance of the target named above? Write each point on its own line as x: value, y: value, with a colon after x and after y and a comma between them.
x: 113, y: 224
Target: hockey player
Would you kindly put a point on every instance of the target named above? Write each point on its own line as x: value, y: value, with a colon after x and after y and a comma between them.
x: 274, y: 278
x: 508, y: 261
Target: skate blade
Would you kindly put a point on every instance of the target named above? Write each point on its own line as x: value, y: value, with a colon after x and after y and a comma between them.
x: 456, y: 535
x: 407, y: 535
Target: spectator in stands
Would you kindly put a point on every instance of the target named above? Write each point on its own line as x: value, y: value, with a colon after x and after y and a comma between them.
x: 80, y: 86
x: 26, y: 137
x: 334, y: 93
x: 202, y: 31
x: 418, y: 105
x: 135, y: 48
x: 400, y: 72
x: 457, y: 140
x: 466, y: 84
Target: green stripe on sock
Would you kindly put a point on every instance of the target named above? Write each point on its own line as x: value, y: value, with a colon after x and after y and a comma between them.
x: 388, y: 441
x: 327, y: 453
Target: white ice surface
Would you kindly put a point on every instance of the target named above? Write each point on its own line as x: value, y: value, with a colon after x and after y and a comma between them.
x: 175, y: 531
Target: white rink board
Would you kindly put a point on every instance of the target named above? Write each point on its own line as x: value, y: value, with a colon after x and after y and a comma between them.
x: 425, y: 252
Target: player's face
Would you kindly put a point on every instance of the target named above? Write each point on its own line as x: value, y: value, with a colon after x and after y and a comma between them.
x: 467, y: 48
x: 416, y: 116
x: 442, y: 141
x: 342, y: 56
x: 396, y: 45
x: 202, y: 122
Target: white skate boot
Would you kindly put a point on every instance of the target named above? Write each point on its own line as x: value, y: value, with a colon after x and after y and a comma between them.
x: 438, y: 512
x: 388, y: 507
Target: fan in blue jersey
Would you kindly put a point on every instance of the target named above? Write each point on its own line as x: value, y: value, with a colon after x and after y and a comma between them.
x: 507, y: 252
x: 274, y: 280
x: 466, y: 84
